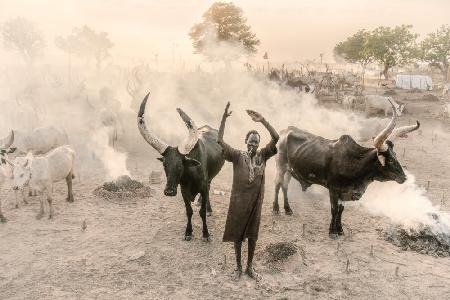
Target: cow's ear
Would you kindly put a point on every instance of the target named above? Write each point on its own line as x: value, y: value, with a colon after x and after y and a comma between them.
x: 191, y: 162
x: 160, y: 159
x: 381, y: 159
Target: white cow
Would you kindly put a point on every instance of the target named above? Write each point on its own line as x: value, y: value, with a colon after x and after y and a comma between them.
x: 5, y: 170
x: 40, y: 140
x: 40, y: 172
x: 378, y: 102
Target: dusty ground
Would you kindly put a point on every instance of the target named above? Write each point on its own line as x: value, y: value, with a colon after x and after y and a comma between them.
x: 134, y: 249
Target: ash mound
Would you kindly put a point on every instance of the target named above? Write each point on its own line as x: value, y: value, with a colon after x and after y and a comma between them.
x: 122, y: 188
x: 279, y: 252
x: 422, y: 240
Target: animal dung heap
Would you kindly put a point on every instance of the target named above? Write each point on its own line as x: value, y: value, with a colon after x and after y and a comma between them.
x: 424, y: 239
x: 277, y: 252
x: 122, y: 188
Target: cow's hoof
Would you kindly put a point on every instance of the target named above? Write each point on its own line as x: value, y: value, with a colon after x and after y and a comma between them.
x: 334, y: 236
x: 17, y: 206
x: 39, y: 216
x: 206, y: 239
x: 187, y: 237
x: 69, y: 199
x: 288, y: 211
x: 341, y: 232
x: 50, y: 217
x: 276, y: 212
x: 3, y: 219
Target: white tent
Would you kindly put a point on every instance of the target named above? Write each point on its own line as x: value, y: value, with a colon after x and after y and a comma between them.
x: 408, y: 82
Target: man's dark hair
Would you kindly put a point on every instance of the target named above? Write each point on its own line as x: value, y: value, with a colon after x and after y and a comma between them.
x: 252, y: 132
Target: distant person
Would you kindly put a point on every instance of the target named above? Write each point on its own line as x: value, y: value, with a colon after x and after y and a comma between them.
x: 247, y: 194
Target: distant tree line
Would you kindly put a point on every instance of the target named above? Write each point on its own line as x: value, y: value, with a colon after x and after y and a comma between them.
x: 397, y: 46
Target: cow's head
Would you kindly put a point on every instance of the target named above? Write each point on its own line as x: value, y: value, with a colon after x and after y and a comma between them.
x: 22, y: 171
x: 389, y: 166
x: 175, y: 159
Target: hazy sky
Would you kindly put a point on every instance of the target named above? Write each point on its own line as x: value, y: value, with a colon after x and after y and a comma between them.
x: 288, y: 29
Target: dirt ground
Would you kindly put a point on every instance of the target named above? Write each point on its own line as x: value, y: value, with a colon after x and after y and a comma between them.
x: 134, y: 249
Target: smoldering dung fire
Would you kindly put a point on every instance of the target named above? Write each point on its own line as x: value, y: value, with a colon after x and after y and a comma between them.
x: 417, y: 224
x: 123, y: 188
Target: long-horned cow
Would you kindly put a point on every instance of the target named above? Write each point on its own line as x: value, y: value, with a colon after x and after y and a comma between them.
x: 5, y: 170
x: 342, y: 166
x: 191, y: 165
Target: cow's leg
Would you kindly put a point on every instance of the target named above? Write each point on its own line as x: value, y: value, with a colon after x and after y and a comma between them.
x: 188, y: 198
x: 284, y: 187
x: 69, y: 187
x: 208, y: 203
x: 2, y: 217
x: 340, y: 231
x: 41, y: 209
x: 279, y: 179
x: 333, y: 232
x: 25, y: 194
x: 50, y: 204
x: 205, y: 199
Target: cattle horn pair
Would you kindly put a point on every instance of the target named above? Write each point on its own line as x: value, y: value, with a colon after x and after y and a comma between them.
x: 8, y: 141
x: 156, y: 142
x: 380, y: 141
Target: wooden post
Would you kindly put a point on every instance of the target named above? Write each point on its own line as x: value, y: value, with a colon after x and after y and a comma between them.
x: 304, y: 230
x: 371, y: 251
x: 428, y: 185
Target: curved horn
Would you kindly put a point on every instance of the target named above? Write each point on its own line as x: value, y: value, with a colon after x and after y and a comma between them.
x: 403, y: 131
x: 8, y: 141
x: 151, y: 138
x: 379, y: 141
x: 189, y: 143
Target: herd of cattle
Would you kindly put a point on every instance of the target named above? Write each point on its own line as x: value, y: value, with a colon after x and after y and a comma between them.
x: 37, y: 159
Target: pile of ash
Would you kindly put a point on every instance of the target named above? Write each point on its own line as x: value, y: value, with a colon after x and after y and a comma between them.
x: 423, y: 240
x: 279, y: 252
x: 123, y: 187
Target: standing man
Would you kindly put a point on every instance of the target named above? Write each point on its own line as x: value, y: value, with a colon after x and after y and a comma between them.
x: 247, y: 194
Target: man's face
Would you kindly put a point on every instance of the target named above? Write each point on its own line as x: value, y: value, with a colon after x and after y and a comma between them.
x: 252, y: 143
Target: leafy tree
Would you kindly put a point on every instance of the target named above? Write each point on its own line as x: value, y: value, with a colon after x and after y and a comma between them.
x: 356, y: 49
x: 223, y: 23
x: 394, y: 46
x: 22, y: 36
x: 86, y: 43
x: 435, y: 49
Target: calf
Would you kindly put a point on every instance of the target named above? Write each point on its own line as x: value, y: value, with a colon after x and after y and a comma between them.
x: 40, y: 172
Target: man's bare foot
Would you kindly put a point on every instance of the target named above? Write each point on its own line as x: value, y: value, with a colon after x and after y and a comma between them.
x: 250, y: 271
x: 237, y: 274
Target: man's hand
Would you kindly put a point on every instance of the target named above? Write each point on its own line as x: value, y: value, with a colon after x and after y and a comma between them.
x: 255, y: 115
x: 226, y: 113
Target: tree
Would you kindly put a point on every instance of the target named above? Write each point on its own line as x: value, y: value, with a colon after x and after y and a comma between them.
x: 435, y: 49
x: 86, y: 43
x: 223, y: 25
x: 22, y: 36
x: 356, y: 49
x: 394, y: 46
